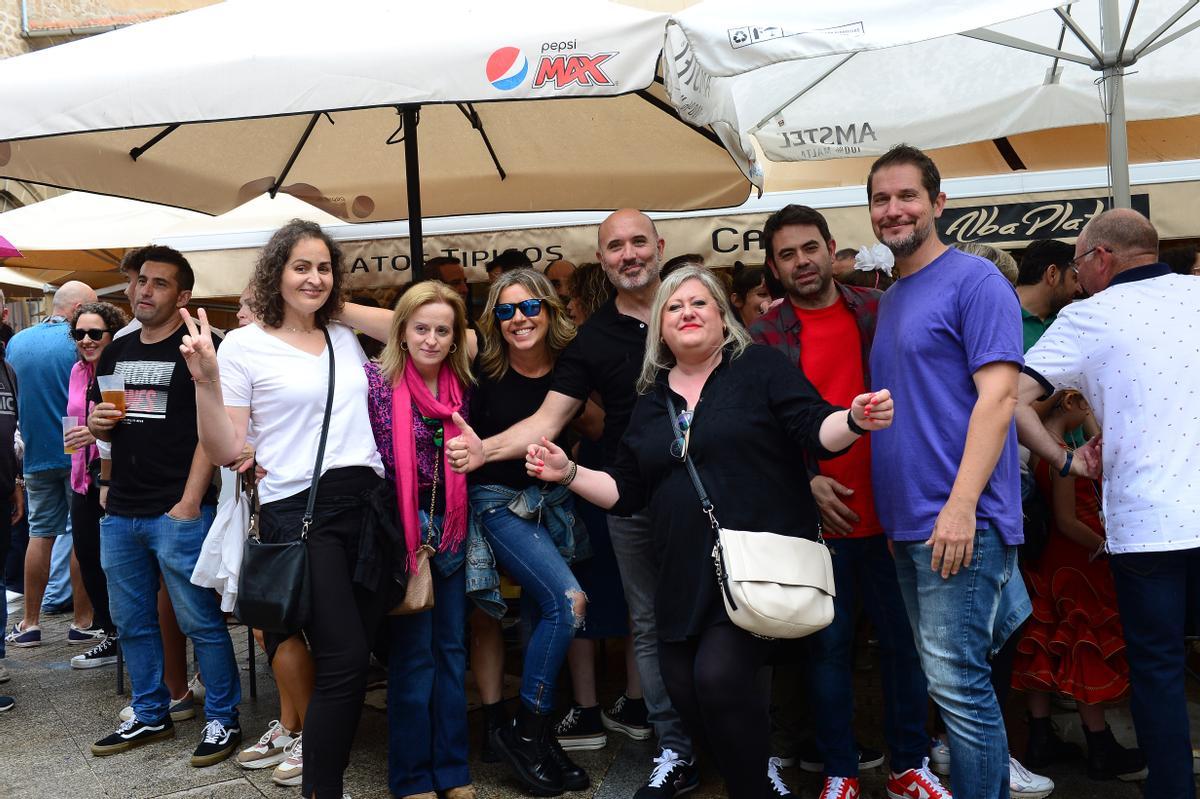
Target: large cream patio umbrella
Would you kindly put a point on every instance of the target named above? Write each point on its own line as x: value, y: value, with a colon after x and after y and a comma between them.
x: 207, y: 109
x: 989, y: 87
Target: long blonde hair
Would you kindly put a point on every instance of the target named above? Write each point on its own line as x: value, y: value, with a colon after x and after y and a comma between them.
x: 658, y: 355
x: 493, y: 349
x: 394, y: 358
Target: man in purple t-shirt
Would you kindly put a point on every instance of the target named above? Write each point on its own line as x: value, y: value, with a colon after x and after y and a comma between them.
x: 945, y: 475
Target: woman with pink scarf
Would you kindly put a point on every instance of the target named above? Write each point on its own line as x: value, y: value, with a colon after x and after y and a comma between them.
x: 416, y: 397
x: 92, y: 328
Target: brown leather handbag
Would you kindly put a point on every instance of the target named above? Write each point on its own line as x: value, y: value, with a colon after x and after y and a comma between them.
x: 418, y: 596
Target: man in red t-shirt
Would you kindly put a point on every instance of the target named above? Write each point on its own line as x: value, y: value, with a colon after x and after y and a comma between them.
x: 826, y: 329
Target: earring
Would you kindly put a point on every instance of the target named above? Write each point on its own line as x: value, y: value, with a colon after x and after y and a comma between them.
x: 404, y: 346
x: 453, y: 348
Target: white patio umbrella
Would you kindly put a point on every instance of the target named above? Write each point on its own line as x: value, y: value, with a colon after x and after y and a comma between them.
x: 813, y: 83
x: 207, y: 109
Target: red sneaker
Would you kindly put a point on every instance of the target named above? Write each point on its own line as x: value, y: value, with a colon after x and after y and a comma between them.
x: 916, y: 783
x: 840, y: 788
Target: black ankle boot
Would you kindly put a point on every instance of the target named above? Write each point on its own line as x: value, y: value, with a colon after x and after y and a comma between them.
x: 1107, y: 759
x: 525, y: 745
x: 494, y: 719
x: 574, y: 777
x: 1045, y: 747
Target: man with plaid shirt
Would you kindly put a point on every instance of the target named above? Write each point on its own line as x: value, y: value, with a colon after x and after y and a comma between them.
x: 826, y: 329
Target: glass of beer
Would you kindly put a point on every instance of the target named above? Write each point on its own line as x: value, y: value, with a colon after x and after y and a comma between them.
x: 69, y: 424
x: 112, y: 389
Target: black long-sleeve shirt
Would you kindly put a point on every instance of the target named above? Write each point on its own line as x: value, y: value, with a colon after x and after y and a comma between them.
x: 756, y: 416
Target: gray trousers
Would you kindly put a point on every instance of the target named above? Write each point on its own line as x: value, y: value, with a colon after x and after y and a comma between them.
x: 633, y: 544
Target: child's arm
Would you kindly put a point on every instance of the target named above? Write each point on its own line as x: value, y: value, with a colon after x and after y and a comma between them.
x: 1063, y: 507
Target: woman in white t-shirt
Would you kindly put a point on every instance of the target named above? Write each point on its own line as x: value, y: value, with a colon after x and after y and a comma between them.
x: 273, y: 375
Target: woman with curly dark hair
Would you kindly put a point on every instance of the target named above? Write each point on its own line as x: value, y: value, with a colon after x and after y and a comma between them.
x: 92, y: 328
x: 273, y: 375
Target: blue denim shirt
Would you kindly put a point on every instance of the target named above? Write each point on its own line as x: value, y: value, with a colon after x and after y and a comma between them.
x: 553, y: 508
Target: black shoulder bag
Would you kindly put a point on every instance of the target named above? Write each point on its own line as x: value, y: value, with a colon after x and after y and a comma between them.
x: 273, y: 591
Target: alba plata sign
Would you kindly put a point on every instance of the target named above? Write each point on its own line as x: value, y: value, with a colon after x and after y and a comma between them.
x: 1020, y: 222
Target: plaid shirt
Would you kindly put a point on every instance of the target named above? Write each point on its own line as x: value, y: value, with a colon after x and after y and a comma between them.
x: 780, y: 328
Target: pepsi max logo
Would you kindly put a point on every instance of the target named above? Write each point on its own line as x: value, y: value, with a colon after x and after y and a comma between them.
x: 507, y: 68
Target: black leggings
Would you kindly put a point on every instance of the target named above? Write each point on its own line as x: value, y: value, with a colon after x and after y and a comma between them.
x: 85, y: 529
x: 721, y: 687
x: 345, y: 619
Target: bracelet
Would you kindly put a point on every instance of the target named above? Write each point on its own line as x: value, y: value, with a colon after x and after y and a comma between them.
x: 570, y: 478
x: 194, y: 380
x: 1066, y: 467
x: 854, y: 428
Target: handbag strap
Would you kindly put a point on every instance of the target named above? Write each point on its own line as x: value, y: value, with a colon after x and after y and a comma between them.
x: 316, y: 478
x: 705, y: 503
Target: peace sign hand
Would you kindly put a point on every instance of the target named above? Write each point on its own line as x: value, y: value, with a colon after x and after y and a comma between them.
x: 197, y: 347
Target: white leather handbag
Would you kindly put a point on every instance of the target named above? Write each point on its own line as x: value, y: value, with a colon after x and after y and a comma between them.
x: 774, y: 586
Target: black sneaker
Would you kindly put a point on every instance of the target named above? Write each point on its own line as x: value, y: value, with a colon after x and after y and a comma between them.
x: 217, y: 742
x: 6, y: 703
x: 102, y: 654
x: 672, y: 776
x: 133, y: 733
x: 810, y: 759
x: 581, y: 729
x: 628, y: 716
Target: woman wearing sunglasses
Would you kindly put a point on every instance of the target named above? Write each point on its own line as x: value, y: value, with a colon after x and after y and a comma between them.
x: 530, y: 526
x: 744, y: 413
x: 92, y: 329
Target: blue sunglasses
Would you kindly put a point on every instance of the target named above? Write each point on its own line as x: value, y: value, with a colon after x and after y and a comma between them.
x: 505, y: 310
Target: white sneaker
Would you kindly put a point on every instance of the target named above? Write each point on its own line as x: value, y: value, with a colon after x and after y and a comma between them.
x: 270, y: 749
x: 291, y: 770
x: 939, y: 756
x: 1024, y: 784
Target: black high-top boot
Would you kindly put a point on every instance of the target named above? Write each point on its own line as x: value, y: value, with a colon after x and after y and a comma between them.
x: 1046, y: 748
x: 525, y: 745
x: 1107, y: 759
x: 494, y: 719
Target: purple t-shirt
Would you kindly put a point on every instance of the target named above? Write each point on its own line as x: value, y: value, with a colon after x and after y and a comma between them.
x: 936, y: 328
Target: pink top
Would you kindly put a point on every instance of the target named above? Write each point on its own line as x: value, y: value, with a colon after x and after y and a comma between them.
x: 82, y: 375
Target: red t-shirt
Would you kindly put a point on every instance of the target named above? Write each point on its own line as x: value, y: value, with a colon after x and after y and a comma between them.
x: 831, y: 357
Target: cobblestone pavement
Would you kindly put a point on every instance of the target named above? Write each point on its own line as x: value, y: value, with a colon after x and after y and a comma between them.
x: 44, y: 742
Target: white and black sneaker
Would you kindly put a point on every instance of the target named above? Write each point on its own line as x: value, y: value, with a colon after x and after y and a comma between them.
x: 581, y: 729
x: 217, y: 742
x: 102, y: 654
x: 672, y: 776
x: 133, y: 733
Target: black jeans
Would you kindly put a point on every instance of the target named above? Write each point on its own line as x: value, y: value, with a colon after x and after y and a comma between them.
x: 85, y: 527
x: 720, y: 685
x: 345, y: 619
x: 1157, y: 593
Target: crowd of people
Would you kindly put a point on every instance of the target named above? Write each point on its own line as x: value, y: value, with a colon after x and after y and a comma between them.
x: 996, y: 453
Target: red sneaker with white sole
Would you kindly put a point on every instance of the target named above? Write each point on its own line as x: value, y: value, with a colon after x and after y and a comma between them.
x: 916, y: 783
x: 840, y: 788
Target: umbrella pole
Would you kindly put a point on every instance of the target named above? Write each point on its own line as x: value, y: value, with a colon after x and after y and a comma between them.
x: 412, y: 170
x: 1114, y: 100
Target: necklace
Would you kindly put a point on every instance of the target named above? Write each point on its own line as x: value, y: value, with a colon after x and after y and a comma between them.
x: 298, y: 329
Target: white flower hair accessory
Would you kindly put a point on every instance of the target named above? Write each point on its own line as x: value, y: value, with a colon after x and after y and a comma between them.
x: 877, y: 258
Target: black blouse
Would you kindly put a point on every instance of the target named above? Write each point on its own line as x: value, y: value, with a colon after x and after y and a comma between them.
x: 756, y: 415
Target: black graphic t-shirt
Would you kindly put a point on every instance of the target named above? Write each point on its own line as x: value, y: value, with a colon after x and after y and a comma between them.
x: 152, y: 447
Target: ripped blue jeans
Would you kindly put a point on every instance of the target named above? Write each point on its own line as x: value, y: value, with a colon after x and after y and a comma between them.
x: 524, y: 549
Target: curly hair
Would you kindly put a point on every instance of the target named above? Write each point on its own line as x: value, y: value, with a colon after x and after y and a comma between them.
x: 493, y: 349
x: 267, y: 300
x: 428, y: 292
x: 592, y: 288
x: 114, y: 320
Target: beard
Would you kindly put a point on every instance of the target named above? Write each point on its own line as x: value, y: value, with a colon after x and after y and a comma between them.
x: 904, y: 247
x: 649, y: 272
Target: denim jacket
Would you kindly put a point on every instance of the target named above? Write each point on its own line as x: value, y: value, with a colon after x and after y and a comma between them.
x: 553, y: 508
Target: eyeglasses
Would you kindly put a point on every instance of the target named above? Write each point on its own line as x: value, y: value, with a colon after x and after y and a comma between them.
x: 94, y: 334
x: 679, y: 446
x: 505, y: 310
x: 1075, y: 262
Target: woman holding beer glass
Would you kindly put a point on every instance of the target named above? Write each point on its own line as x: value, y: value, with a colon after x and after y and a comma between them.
x: 418, y: 395
x: 273, y: 374
x: 92, y: 328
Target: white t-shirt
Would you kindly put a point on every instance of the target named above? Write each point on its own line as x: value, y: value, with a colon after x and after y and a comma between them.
x: 1132, y: 351
x: 285, y: 389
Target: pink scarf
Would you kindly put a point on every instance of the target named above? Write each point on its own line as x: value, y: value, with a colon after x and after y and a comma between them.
x: 409, y: 389
x: 82, y: 374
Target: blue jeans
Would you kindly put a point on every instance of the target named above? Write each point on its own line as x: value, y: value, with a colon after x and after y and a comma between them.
x: 959, y: 622
x: 134, y: 550
x: 1156, y: 593
x: 863, y: 567
x: 524, y: 549
x: 427, y: 695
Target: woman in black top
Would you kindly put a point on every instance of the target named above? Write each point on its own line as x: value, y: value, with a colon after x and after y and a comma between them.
x: 530, y: 526
x: 747, y: 414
